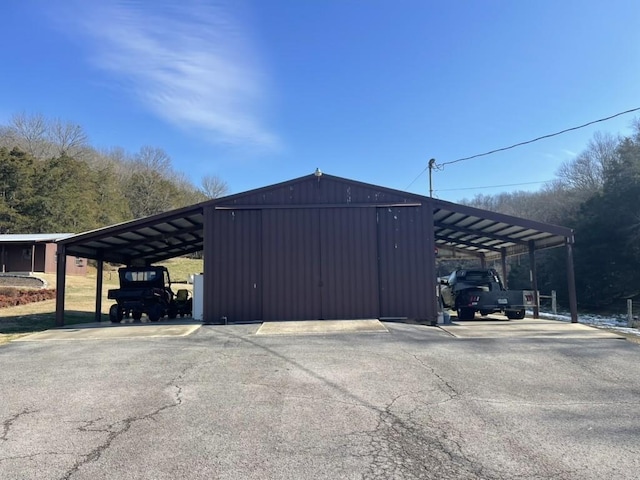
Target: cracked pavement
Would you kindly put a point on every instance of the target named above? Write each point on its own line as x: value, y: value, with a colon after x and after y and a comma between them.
x: 413, y: 403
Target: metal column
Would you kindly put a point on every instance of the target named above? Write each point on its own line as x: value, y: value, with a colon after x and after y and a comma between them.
x: 571, y: 279
x: 534, y: 279
x: 61, y: 272
x: 503, y: 264
x: 100, y: 273
x: 209, y: 254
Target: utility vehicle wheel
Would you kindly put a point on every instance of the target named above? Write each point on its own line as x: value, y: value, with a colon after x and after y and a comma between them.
x: 155, y: 312
x: 515, y: 314
x: 466, y: 313
x: 137, y: 315
x: 115, y: 314
x: 484, y: 313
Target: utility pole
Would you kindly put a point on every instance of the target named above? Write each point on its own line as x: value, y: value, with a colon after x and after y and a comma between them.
x: 432, y: 164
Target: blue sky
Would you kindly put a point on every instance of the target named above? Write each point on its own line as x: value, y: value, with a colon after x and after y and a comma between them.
x: 262, y: 91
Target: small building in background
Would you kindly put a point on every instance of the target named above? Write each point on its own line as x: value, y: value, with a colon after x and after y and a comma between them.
x: 36, y: 253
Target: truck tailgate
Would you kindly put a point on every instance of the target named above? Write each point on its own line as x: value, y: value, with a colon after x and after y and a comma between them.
x: 506, y: 299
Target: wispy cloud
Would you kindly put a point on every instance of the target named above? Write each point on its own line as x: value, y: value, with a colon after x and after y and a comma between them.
x: 190, y: 62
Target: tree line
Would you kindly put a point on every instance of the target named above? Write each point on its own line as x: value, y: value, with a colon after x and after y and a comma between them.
x: 53, y: 180
x: 597, y: 193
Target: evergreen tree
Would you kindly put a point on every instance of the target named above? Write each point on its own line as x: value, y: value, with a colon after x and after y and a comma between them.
x: 16, y: 185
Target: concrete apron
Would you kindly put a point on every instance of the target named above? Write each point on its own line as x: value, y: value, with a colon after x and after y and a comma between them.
x: 526, y: 328
x: 321, y: 327
x: 179, y: 328
x: 108, y: 331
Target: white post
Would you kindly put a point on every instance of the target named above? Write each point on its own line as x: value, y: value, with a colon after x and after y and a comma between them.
x: 629, y: 313
x: 554, y: 305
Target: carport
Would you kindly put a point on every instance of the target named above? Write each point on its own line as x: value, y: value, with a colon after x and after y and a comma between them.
x: 317, y: 247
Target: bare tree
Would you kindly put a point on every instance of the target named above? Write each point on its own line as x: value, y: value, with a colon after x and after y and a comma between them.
x: 155, y: 159
x: 68, y: 138
x: 212, y: 186
x: 29, y: 133
x: 585, y: 173
x: 43, y: 138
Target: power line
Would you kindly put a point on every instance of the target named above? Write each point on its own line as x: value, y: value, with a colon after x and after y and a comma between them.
x: 540, y: 138
x: 491, y: 186
x: 524, y: 143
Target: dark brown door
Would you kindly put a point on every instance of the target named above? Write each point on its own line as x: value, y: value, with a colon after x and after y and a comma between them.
x: 291, y: 264
x: 403, y: 261
x: 237, y: 266
x: 349, y: 263
x: 319, y: 263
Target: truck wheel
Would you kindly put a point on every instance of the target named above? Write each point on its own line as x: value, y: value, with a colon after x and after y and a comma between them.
x: 137, y: 315
x: 466, y: 313
x: 115, y: 314
x: 155, y: 312
x: 515, y: 314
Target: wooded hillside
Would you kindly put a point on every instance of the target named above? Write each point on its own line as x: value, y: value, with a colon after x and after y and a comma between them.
x: 53, y: 180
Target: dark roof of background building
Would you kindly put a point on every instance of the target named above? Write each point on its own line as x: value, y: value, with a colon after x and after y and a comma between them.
x: 34, y: 238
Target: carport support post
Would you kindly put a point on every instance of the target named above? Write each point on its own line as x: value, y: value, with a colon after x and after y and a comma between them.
x: 503, y: 265
x: 571, y: 279
x: 534, y: 279
x: 61, y: 271
x: 100, y: 273
x: 209, y: 254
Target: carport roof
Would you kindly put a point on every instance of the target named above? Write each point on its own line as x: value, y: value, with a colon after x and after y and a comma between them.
x: 460, y: 228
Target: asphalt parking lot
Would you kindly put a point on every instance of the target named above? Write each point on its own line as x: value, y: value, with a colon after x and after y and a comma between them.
x: 403, y: 401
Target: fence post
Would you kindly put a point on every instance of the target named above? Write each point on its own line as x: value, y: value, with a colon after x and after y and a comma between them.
x: 554, y: 305
x: 629, y: 313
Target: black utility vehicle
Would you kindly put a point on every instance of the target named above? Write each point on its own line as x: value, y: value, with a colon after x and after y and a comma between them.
x: 143, y: 290
x: 481, y: 290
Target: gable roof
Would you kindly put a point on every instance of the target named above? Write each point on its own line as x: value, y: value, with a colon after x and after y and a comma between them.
x: 465, y: 229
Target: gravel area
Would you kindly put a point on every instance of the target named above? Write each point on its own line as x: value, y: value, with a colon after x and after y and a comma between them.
x: 21, y: 281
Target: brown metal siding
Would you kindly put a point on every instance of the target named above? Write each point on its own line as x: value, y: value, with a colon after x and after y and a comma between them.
x: 349, y: 263
x: 404, y: 264
x: 18, y: 258
x: 291, y: 264
x: 236, y: 272
x: 323, y: 191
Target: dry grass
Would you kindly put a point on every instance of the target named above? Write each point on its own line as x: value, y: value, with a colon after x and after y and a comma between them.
x: 80, y: 300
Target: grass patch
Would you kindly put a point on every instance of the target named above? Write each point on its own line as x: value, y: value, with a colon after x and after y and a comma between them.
x: 181, y: 268
x: 80, y: 300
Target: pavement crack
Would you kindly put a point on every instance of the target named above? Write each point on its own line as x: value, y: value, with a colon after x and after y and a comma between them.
x: 402, y: 448
x: 121, y: 427
x: 33, y: 456
x: 443, y: 384
x: 7, y: 424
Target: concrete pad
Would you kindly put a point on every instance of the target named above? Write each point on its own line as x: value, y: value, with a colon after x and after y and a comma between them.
x: 526, y: 328
x: 320, y: 327
x: 104, y: 331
